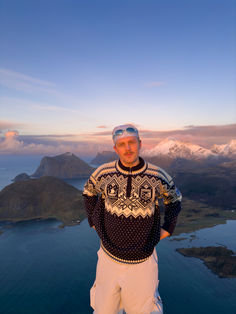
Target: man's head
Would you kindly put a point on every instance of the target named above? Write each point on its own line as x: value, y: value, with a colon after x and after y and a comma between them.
x: 127, y: 144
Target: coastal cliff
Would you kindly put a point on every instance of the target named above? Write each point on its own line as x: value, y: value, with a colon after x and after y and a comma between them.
x: 64, y: 166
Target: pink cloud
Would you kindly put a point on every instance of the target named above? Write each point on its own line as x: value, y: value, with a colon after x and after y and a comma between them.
x: 102, y: 127
x: 202, y: 135
x: 12, y: 143
x: 11, y: 134
x: 6, y: 125
x: 91, y: 143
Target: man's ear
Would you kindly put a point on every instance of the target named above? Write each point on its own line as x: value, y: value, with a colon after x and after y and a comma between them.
x: 115, y: 149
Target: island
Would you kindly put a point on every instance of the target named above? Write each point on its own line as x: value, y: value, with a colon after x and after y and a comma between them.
x: 64, y: 166
x: 220, y: 260
x: 44, y: 198
x: 208, y: 187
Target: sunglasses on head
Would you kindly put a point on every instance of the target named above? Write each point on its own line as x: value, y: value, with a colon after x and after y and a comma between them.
x: 121, y: 131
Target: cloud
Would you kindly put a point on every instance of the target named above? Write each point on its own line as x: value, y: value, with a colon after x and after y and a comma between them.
x: 206, y: 135
x: 212, y: 130
x: 25, y: 83
x: 202, y: 135
x: 101, y: 133
x: 5, y: 125
x: 102, y: 127
x: 13, y: 143
x: 108, y: 132
x: 42, y: 136
x: 91, y: 143
x: 11, y: 135
x: 154, y: 84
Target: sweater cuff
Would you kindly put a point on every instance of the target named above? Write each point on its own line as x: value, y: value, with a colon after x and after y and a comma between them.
x: 169, y: 227
x: 171, y: 214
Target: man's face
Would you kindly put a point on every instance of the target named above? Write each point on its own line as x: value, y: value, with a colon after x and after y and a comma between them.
x: 128, y: 150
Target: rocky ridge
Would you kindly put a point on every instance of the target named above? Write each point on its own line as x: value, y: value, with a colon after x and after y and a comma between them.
x: 64, y: 166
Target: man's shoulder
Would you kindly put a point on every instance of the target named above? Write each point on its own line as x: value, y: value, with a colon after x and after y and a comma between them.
x: 105, y: 168
x: 157, y: 171
x: 153, y: 168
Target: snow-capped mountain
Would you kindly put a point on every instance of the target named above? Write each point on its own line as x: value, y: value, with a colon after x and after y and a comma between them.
x: 225, y: 149
x: 175, y: 148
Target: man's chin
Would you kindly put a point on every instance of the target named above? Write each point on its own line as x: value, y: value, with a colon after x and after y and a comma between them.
x: 130, y: 161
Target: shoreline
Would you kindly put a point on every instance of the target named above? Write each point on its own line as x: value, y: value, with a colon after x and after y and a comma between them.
x: 8, y: 224
x: 186, y: 227
x: 220, y: 260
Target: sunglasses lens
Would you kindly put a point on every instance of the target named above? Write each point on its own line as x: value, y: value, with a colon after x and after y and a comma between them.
x: 131, y: 130
x: 119, y: 132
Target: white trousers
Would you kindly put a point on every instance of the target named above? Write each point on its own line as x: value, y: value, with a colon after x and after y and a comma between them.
x: 129, y: 287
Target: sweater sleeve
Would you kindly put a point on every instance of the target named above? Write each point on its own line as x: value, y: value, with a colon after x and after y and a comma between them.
x: 172, y: 203
x: 90, y: 195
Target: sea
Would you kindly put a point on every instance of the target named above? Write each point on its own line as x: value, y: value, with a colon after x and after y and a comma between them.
x: 45, y: 269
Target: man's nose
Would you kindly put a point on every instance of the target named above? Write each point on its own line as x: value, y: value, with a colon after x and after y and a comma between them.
x: 127, y: 146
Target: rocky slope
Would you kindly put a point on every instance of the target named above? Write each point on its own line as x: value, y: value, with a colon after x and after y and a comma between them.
x: 46, y: 197
x: 65, y: 166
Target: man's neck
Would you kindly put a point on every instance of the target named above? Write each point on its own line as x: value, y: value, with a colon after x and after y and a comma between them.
x: 130, y: 165
x: 140, y: 166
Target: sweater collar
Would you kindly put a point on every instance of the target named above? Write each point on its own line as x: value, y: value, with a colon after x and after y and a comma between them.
x: 141, y: 166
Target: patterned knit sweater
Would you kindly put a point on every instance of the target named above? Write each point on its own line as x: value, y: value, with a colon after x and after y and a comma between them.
x: 122, y: 204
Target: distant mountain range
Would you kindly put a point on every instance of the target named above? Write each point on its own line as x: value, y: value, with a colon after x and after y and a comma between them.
x: 206, y: 178
x: 177, y: 149
x: 170, y: 149
x: 225, y: 149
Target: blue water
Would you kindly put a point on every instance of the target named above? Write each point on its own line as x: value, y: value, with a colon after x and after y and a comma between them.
x: 11, y: 166
x: 48, y: 270
x: 45, y: 269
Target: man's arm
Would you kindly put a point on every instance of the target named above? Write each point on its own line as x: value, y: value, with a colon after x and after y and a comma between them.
x: 90, y: 195
x: 170, y: 217
x: 172, y: 203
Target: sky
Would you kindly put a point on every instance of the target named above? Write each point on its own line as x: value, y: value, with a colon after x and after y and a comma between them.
x: 72, y: 70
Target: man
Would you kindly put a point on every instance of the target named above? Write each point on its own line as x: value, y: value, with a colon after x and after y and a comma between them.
x: 121, y: 199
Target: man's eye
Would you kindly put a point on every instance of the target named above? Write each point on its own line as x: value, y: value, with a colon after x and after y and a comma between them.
x: 121, y: 145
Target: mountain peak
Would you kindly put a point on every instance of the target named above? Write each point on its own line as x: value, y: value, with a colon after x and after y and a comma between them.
x: 64, y: 166
x: 175, y: 148
x: 228, y: 149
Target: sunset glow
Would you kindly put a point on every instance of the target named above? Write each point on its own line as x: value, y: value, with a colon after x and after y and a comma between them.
x: 70, y: 71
